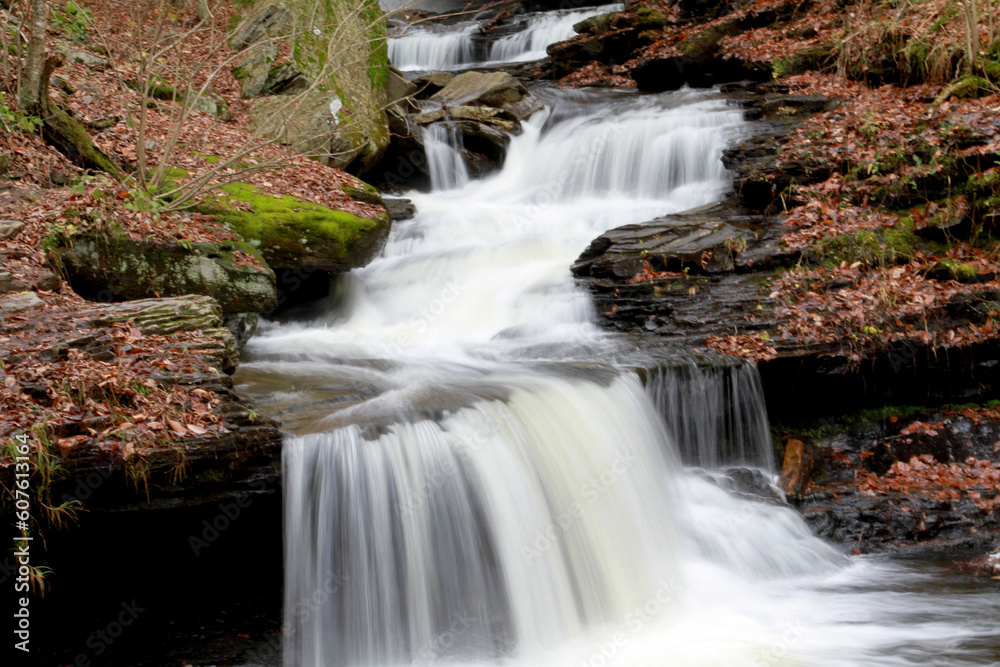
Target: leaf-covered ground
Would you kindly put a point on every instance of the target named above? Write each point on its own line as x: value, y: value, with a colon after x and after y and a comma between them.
x: 107, y: 390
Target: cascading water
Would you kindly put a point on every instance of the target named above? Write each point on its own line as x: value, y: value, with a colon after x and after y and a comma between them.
x: 468, y: 483
x: 423, y: 48
x: 714, y: 410
x: 443, y: 148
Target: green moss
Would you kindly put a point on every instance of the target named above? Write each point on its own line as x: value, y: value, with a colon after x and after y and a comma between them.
x: 958, y: 270
x: 883, y: 246
x: 110, y: 261
x: 648, y: 19
x: 293, y: 232
x: 965, y: 87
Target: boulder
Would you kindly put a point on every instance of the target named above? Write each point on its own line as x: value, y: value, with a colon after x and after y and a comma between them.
x: 19, y: 301
x: 10, y: 228
x: 498, y: 118
x: 399, y: 91
x: 113, y: 267
x: 429, y: 84
x: 353, y: 67
x: 309, y: 124
x: 293, y: 233
x: 493, y: 89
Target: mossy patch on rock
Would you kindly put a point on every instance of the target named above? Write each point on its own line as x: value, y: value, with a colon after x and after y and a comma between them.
x: 296, y: 233
x: 887, y: 245
x: 111, y: 266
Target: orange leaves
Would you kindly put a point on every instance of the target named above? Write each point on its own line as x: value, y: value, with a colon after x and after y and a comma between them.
x: 753, y: 346
x: 978, y: 480
x: 647, y: 274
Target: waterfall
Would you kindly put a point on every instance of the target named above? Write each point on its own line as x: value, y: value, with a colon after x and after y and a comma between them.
x: 443, y: 146
x: 474, y: 480
x: 714, y: 411
x: 542, y: 30
x: 502, y: 516
x: 422, y: 49
x: 427, y: 48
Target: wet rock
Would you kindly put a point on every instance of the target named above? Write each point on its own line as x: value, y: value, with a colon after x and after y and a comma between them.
x: 19, y: 302
x: 608, y: 47
x: 10, y: 228
x: 242, y: 326
x: 787, y: 105
x: 752, y: 484
x: 498, y: 118
x: 795, y: 468
x: 698, y: 241
x: 400, y: 209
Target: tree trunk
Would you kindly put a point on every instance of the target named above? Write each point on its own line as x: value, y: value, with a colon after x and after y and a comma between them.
x: 66, y: 134
x: 29, y: 91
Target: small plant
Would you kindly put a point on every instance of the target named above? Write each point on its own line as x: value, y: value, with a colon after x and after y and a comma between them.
x: 15, y: 120
x: 72, y: 21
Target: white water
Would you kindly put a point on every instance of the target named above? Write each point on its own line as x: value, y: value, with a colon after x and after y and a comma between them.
x: 443, y: 144
x: 714, y: 412
x: 424, y: 48
x: 502, y: 493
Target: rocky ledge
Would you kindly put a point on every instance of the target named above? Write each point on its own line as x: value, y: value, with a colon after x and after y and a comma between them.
x: 733, y: 277
x: 163, y: 429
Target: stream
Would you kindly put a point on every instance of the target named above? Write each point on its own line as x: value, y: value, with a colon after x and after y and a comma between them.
x: 475, y: 474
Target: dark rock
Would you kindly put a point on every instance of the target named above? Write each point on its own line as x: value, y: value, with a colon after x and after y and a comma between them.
x: 798, y: 104
x: 242, y: 326
x: 752, y: 484
x: 700, y: 241
x: 400, y: 209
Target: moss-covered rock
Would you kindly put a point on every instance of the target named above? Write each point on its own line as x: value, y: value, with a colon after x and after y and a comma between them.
x: 880, y: 247
x: 208, y: 102
x: 294, y: 233
x: 340, y: 46
x: 111, y: 266
x: 648, y: 19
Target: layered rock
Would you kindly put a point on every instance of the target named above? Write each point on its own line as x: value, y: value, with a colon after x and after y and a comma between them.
x: 109, y: 266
